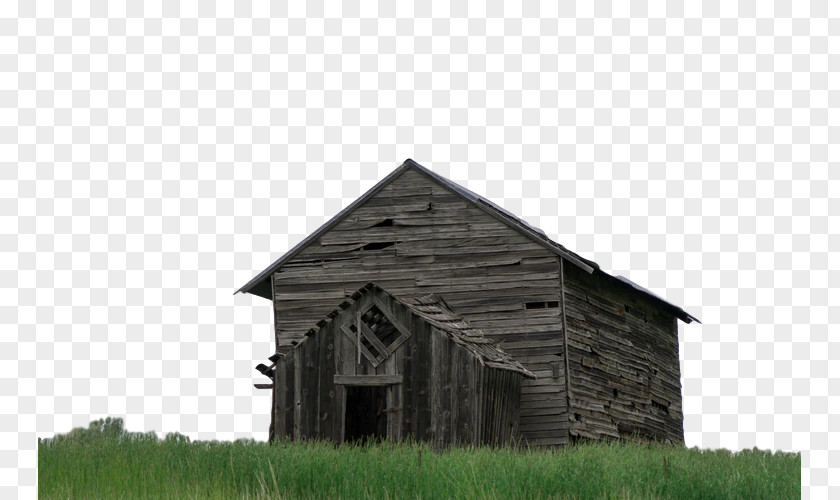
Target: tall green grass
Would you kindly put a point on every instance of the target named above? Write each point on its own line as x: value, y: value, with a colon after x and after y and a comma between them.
x: 104, y: 461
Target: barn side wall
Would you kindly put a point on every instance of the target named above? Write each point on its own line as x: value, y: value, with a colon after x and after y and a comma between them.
x: 623, y: 361
x: 499, y: 280
x: 441, y: 399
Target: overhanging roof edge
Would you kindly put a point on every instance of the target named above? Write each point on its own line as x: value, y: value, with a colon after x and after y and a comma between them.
x: 264, y: 274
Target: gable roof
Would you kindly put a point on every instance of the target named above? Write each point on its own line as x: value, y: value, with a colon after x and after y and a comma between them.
x: 432, y: 309
x: 260, y: 284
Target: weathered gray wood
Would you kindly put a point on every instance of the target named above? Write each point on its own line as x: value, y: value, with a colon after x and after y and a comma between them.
x: 326, y: 371
x: 368, y: 379
x: 298, y: 400
x: 567, y: 380
x: 288, y: 399
x: 623, y: 356
x: 454, y: 401
x: 394, y: 402
x: 279, y: 402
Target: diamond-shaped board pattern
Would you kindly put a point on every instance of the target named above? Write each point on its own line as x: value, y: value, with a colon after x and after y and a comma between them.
x: 380, y: 326
x: 377, y: 333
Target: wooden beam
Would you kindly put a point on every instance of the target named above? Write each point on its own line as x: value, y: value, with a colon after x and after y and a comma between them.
x: 264, y: 386
x: 565, y: 336
x: 368, y: 379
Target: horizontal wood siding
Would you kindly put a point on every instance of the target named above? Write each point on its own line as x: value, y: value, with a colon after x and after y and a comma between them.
x: 442, y: 244
x: 624, y: 361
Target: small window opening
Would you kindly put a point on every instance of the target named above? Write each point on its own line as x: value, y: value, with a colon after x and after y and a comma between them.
x: 615, y: 392
x: 378, y: 245
x: 541, y: 305
x: 384, y: 223
x: 379, y: 324
x: 659, y: 406
x: 577, y: 417
x: 430, y: 206
x: 626, y: 308
x: 381, y: 328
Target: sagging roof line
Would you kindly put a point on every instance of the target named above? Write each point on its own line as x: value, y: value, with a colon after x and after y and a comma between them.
x: 478, y: 201
x: 482, y: 203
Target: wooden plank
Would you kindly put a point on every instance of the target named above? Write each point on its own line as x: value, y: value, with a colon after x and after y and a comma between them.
x: 434, y: 390
x: 422, y: 376
x: 443, y: 357
x: 368, y: 380
x: 264, y: 386
x: 394, y: 416
x: 517, y: 409
x: 309, y: 422
x: 326, y: 387
x: 298, y: 399
x: 454, y: 380
x: 278, y: 402
x: 288, y: 399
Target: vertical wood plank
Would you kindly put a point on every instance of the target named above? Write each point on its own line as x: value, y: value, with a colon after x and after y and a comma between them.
x: 423, y: 378
x: 326, y: 374
x: 341, y: 411
x: 279, y: 401
x: 298, y: 391
x: 434, y: 391
x: 454, y: 383
x: 517, y: 394
x: 409, y: 413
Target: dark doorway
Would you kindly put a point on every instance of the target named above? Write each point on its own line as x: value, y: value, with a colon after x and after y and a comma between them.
x: 365, y: 416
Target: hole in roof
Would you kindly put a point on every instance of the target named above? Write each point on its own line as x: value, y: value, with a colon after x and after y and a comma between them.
x: 384, y: 223
x: 378, y: 245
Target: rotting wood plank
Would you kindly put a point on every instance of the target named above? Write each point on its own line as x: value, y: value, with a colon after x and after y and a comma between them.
x: 326, y: 389
x: 298, y: 400
x: 454, y: 383
x: 279, y: 401
x: 368, y: 380
x: 422, y: 380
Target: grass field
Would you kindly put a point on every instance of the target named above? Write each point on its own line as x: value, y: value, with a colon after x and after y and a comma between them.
x: 104, y: 461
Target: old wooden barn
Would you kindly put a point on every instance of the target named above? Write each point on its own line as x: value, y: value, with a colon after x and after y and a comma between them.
x: 482, y: 329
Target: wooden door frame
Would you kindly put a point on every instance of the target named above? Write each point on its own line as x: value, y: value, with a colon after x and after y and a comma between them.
x: 393, y: 400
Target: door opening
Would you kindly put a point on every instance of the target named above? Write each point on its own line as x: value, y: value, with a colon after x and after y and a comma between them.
x: 365, y: 417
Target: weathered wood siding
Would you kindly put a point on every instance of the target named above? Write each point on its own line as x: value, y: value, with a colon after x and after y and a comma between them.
x: 500, y: 418
x: 442, y: 244
x: 441, y: 398
x: 624, y: 361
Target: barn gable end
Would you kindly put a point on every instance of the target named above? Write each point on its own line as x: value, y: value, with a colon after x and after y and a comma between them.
x: 444, y: 381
